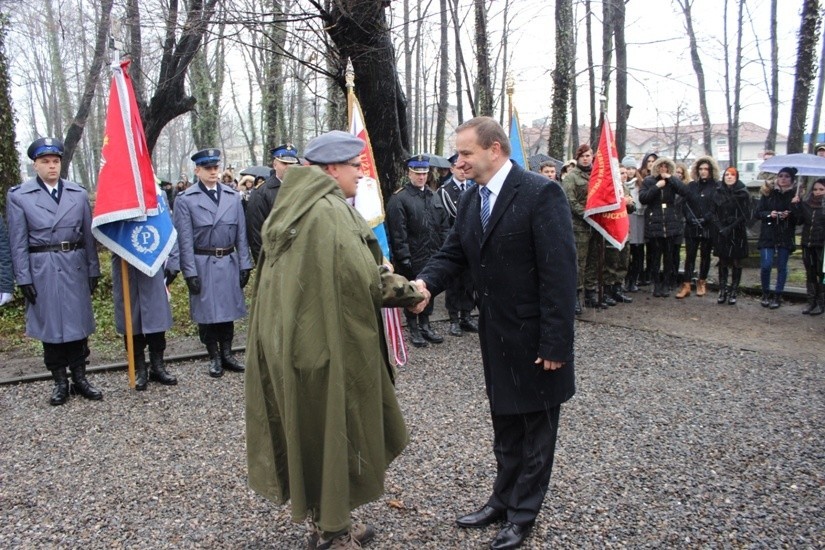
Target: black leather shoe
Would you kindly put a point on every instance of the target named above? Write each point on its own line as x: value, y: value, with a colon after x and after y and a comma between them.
x: 482, y: 517
x: 455, y: 329
x: 428, y: 333
x: 467, y: 324
x: 511, y: 536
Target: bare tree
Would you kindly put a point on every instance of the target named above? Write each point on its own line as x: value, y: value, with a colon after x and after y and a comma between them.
x: 622, y: 108
x: 484, y: 87
x: 773, y: 94
x: 562, y: 76
x: 805, y: 71
x: 206, y: 77
x: 820, y: 90
x: 591, y: 73
x: 733, y: 97
x: 443, y: 81
x: 686, y: 6
x: 359, y: 31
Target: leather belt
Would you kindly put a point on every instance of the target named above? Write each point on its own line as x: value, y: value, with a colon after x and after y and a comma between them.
x: 64, y: 246
x: 217, y: 252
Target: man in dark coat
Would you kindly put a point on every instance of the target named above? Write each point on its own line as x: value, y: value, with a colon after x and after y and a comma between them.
x: 56, y: 266
x: 514, y: 233
x: 262, y: 198
x: 459, y: 295
x: 214, y: 259
x: 418, y: 224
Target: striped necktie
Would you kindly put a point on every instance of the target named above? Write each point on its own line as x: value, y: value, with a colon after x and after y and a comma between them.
x: 485, y: 207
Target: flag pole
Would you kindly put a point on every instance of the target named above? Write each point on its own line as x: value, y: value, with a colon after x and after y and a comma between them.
x: 349, y: 77
x: 127, y: 317
x: 124, y: 266
x: 603, y: 243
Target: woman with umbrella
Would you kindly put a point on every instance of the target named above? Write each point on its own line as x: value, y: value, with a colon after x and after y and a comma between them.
x: 776, y: 238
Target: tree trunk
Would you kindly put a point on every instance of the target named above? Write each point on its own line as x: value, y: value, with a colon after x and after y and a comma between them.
x: 622, y: 108
x: 505, y: 33
x: 562, y: 76
x: 737, y: 89
x: 272, y: 90
x: 820, y: 89
x: 686, y: 5
x: 773, y: 94
x: 484, y: 87
x: 9, y: 163
x: 359, y: 30
x: 591, y: 74
x: 135, y: 48
x: 459, y: 102
x: 805, y: 71
x: 206, y: 86
x: 607, y: 54
x: 443, y: 82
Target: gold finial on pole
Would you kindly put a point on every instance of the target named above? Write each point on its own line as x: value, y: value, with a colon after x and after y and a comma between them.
x: 349, y: 75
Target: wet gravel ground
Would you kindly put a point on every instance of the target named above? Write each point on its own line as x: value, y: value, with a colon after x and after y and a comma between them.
x: 667, y: 444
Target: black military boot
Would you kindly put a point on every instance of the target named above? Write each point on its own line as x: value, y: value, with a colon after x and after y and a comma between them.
x: 723, y: 285
x: 820, y: 300
x: 607, y: 296
x: 228, y: 360
x: 427, y: 332
x: 455, y: 328
x: 157, y: 370
x: 734, y: 285
x: 141, y: 374
x: 215, y: 366
x: 467, y: 324
x: 60, y: 392
x: 80, y: 385
x: 415, y: 334
x: 617, y: 293
x: 811, y: 305
x: 591, y: 299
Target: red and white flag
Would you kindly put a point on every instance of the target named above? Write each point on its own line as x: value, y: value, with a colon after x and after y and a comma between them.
x: 606, y: 209
x: 126, y: 183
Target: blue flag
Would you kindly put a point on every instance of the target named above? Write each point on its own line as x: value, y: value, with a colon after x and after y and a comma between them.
x: 143, y: 244
x: 516, y: 143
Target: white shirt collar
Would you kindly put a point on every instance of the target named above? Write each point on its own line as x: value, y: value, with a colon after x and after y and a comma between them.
x: 497, y: 181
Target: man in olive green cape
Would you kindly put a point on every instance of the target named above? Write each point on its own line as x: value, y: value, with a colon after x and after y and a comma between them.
x: 322, y: 419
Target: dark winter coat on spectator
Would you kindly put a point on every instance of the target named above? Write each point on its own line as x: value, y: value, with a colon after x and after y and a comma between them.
x: 697, y: 220
x: 662, y: 215
x: 730, y: 215
x: 812, y: 220
x: 776, y: 232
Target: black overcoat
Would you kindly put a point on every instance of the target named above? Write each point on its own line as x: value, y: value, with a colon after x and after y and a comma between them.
x: 730, y: 215
x: 524, y: 271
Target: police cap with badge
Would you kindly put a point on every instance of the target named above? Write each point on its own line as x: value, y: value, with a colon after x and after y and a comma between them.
x: 420, y: 164
x: 334, y: 147
x: 207, y: 158
x: 45, y: 146
x: 286, y: 153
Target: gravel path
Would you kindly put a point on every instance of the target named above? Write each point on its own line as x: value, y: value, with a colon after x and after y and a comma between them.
x: 667, y: 443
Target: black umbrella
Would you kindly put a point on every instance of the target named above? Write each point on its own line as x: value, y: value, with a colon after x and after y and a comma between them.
x: 536, y: 160
x: 257, y: 171
x: 439, y: 162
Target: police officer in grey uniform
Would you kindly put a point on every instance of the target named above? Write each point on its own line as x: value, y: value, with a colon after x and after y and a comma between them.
x: 151, y: 318
x: 214, y: 258
x: 56, y: 267
x: 459, y: 295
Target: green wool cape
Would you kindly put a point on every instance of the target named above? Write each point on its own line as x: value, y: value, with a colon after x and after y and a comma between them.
x: 322, y: 419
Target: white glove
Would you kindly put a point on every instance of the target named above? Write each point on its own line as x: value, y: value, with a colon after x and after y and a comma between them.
x: 5, y: 298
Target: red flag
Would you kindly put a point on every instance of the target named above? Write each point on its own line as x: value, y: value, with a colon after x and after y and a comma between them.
x: 126, y: 183
x: 606, y: 210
